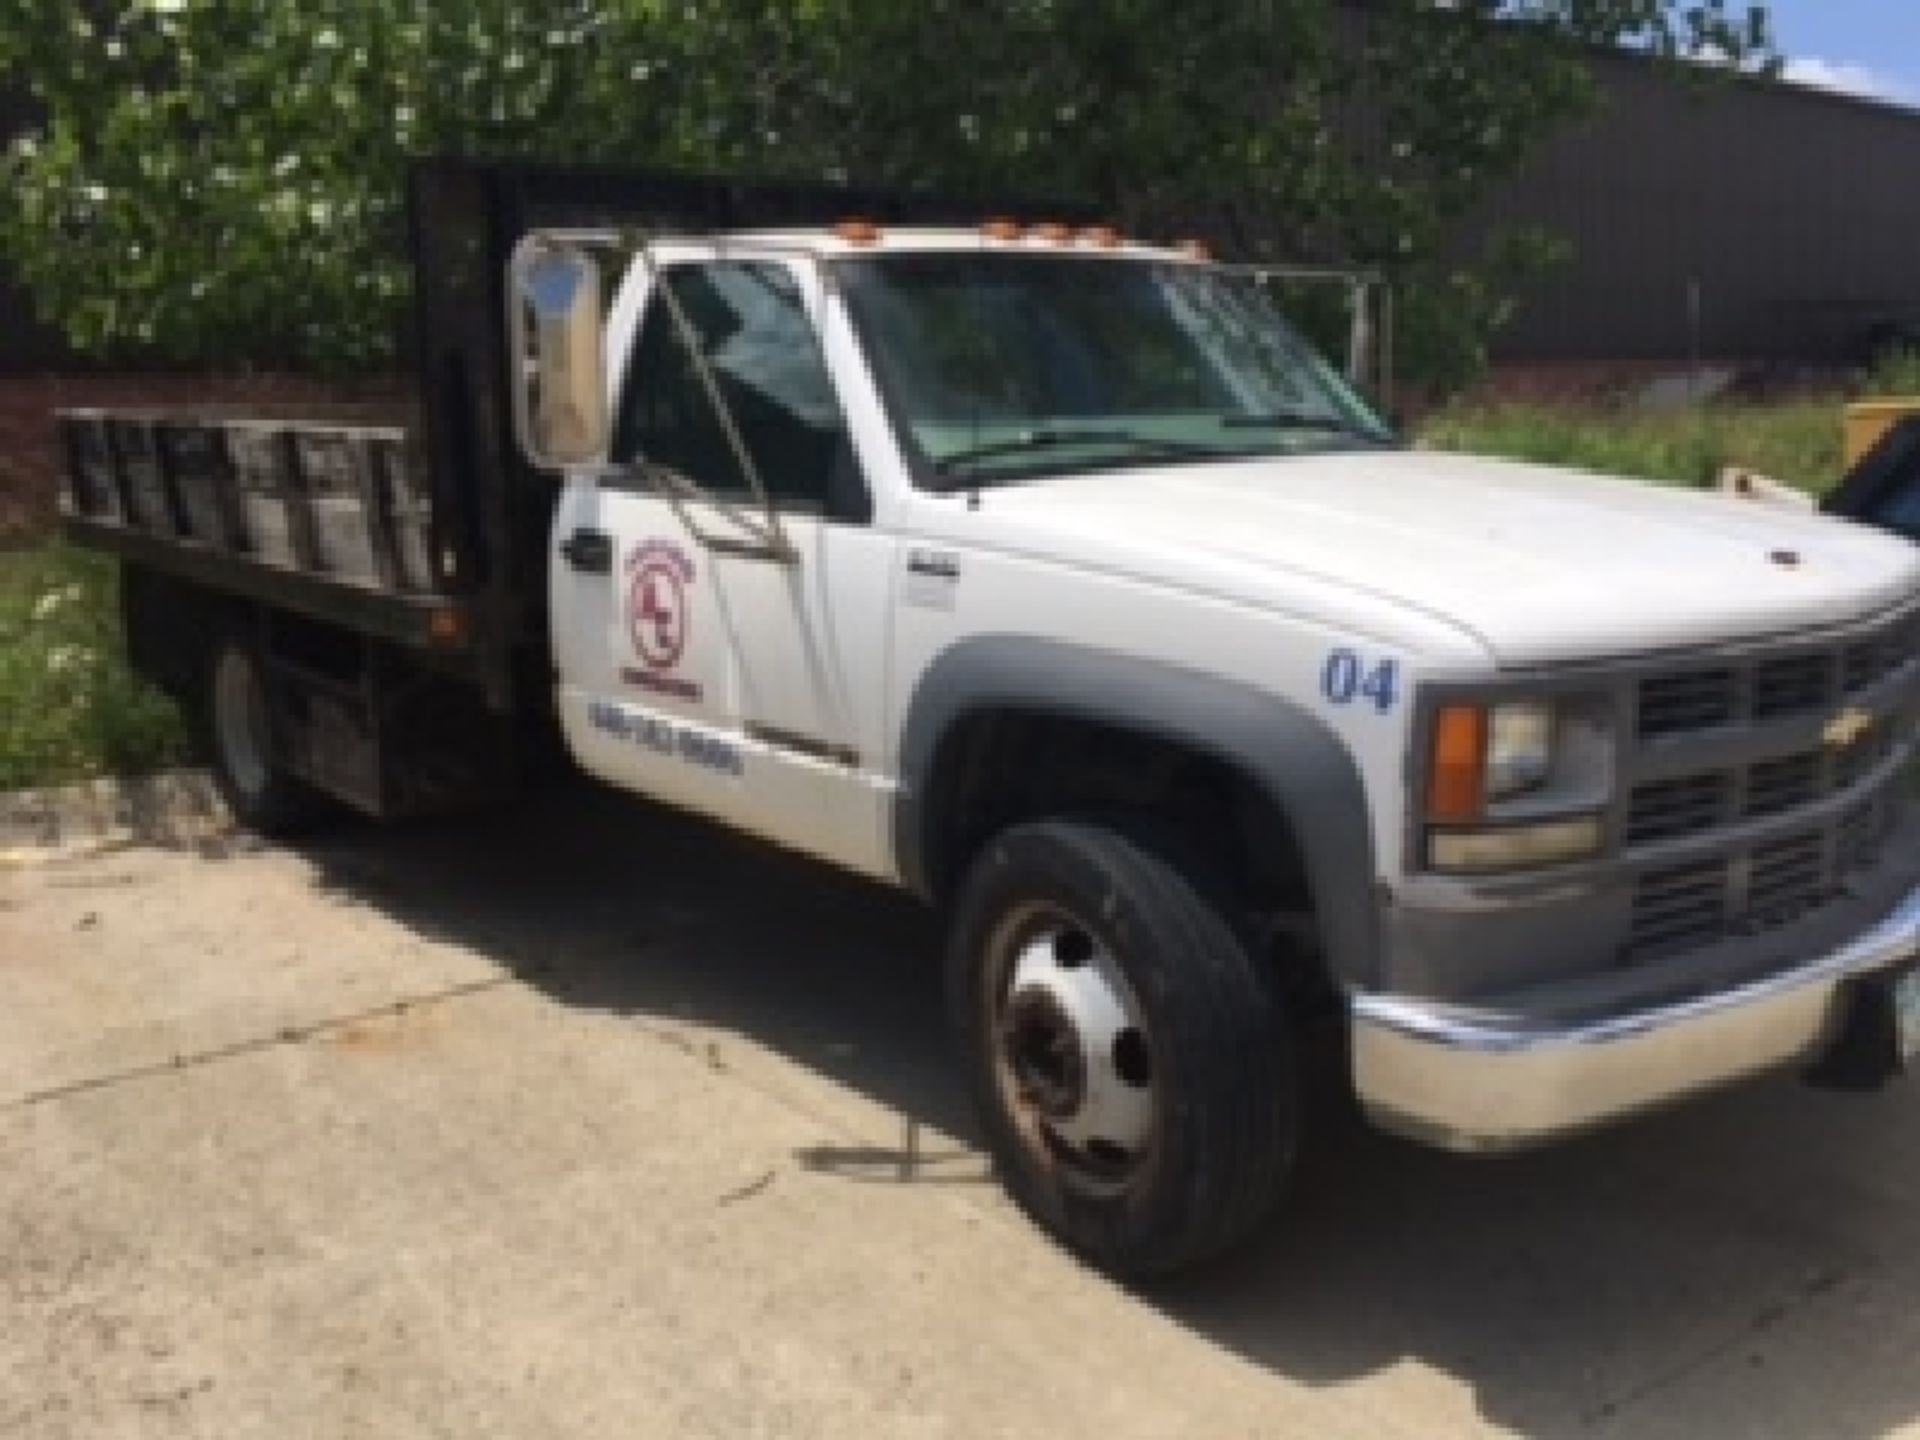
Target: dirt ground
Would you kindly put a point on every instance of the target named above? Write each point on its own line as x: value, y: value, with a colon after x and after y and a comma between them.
x: 590, y: 1121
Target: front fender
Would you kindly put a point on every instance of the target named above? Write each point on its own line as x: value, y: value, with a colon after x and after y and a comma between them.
x: 1290, y: 754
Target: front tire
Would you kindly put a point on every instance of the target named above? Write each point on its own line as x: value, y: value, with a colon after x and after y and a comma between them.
x: 236, y: 737
x: 1132, y: 1066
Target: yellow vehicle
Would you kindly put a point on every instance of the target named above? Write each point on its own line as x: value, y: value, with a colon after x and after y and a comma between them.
x: 1883, y: 467
x: 1869, y: 421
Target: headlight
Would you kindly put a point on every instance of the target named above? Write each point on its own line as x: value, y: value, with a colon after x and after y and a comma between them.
x: 1519, y: 749
x: 1518, y: 784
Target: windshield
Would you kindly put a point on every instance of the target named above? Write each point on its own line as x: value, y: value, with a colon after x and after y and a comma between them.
x: 1009, y: 366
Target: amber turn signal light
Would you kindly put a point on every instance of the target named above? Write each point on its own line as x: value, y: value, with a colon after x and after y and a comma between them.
x: 1456, y: 783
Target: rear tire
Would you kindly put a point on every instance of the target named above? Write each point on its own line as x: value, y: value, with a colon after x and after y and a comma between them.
x: 1132, y: 1066
x: 236, y: 737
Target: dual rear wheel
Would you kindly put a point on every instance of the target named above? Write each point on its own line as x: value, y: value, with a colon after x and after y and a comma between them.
x: 236, y: 736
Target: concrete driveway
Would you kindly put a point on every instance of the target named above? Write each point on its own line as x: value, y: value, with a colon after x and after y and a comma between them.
x: 591, y: 1121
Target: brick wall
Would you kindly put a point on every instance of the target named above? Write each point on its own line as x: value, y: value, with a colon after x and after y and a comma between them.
x: 30, y: 461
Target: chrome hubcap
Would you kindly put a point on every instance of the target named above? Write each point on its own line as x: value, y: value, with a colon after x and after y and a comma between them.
x: 1074, y: 1053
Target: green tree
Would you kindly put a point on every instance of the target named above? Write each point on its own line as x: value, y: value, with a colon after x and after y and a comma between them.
x: 222, y: 180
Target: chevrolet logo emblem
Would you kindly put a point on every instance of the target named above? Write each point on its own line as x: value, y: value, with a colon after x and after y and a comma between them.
x: 1846, y: 729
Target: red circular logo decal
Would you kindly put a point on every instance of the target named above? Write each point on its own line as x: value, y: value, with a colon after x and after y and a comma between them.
x: 657, y: 612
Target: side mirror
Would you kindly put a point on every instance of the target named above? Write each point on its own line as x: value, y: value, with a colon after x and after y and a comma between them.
x: 557, y: 329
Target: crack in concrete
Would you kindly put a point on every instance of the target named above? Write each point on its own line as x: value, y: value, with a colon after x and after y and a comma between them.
x: 1768, y: 1318
x: 286, y: 1035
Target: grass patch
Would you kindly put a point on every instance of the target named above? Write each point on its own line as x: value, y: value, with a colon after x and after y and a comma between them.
x: 70, y: 709
x: 1898, y: 376
x: 1799, y: 442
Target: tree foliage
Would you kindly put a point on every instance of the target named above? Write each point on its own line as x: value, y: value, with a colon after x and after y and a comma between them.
x: 222, y: 179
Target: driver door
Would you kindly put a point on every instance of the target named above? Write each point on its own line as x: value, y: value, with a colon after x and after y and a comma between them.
x: 695, y: 666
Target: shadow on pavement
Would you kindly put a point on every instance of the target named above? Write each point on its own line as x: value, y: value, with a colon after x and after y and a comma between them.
x: 1740, y: 1267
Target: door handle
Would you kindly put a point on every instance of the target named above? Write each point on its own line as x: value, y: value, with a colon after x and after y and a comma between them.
x: 589, y: 550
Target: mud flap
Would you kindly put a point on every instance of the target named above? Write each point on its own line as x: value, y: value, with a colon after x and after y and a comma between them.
x: 1879, y: 1034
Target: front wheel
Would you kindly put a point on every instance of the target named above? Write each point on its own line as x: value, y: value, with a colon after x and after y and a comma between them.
x: 1129, y: 1057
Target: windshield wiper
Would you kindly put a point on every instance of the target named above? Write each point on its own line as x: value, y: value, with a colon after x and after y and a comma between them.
x: 1296, y: 420
x: 1049, y: 438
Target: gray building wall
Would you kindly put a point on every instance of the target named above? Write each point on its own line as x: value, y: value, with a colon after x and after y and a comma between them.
x: 1797, y: 212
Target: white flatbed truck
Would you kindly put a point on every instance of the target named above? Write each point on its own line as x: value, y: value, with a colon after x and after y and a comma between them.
x: 1053, y: 577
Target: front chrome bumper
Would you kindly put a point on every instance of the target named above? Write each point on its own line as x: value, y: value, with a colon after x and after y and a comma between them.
x: 1474, y: 1080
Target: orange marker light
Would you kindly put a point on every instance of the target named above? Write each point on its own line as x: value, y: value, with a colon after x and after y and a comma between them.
x: 858, y: 232
x: 1053, y: 232
x: 1003, y: 229
x: 1456, y: 786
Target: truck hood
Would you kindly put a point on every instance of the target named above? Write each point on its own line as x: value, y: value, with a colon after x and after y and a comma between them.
x: 1539, y: 564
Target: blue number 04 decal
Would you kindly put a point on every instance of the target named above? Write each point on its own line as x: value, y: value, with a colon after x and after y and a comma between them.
x: 1346, y: 679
